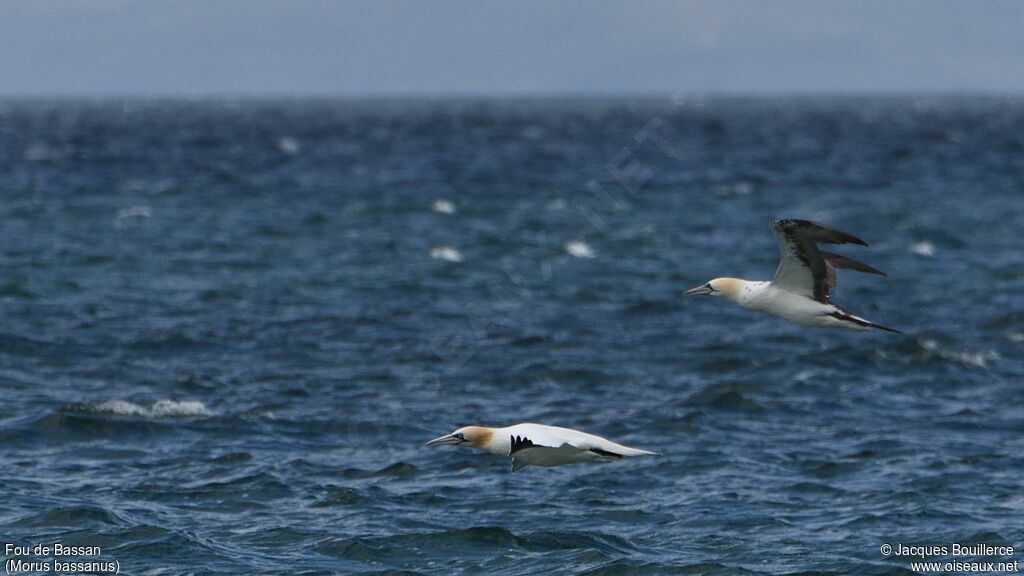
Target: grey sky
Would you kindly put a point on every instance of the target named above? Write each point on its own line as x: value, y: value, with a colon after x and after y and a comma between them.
x: 404, y: 47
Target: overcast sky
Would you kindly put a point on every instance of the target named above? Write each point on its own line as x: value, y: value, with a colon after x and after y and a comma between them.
x: 412, y: 47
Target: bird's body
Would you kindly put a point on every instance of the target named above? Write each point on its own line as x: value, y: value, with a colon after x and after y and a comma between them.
x: 764, y: 297
x: 799, y: 292
x: 538, y: 444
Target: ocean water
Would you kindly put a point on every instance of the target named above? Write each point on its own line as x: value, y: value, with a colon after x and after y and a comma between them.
x: 229, y: 327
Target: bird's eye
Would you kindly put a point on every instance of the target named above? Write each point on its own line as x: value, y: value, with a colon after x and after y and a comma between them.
x: 460, y: 436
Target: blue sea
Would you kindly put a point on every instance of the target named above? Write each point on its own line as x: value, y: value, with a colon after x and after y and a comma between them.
x: 228, y: 328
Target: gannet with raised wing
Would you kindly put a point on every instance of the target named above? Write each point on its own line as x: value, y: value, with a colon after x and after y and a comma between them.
x: 538, y: 444
x: 799, y: 292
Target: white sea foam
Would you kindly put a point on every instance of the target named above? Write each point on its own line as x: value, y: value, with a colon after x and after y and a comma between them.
x: 146, y: 186
x: 738, y: 188
x: 923, y: 248
x: 555, y: 204
x: 966, y: 357
x: 288, y: 145
x: 158, y: 409
x: 134, y: 212
x: 579, y: 249
x: 446, y: 253
x: 806, y: 375
x: 442, y: 206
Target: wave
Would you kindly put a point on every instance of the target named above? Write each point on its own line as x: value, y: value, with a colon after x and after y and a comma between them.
x: 727, y: 395
x: 579, y: 249
x: 446, y: 253
x: 74, y: 516
x: 632, y: 567
x: 475, y: 538
x: 977, y: 359
x: 442, y: 206
x: 158, y: 409
x: 929, y: 349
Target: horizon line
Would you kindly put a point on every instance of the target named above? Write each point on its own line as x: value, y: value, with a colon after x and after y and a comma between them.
x: 526, y: 95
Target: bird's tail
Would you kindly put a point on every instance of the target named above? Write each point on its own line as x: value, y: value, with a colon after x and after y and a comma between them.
x: 844, y: 315
x: 886, y: 328
x: 627, y: 451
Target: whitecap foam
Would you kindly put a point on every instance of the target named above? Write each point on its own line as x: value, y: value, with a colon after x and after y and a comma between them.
x: 144, y: 186
x: 966, y: 357
x: 579, y: 249
x: 442, y: 206
x: 805, y: 375
x: 923, y: 248
x: 134, y: 212
x: 158, y: 409
x: 446, y: 253
x: 288, y: 145
x: 738, y: 188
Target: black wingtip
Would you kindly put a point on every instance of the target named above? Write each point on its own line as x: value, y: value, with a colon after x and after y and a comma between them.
x: 839, y: 237
x: 518, y: 443
x: 840, y: 261
x: 821, y: 232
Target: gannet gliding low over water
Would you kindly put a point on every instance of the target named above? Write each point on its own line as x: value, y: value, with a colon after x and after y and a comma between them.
x: 538, y: 444
x: 799, y: 290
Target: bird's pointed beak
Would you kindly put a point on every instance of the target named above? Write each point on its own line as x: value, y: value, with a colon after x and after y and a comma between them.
x: 699, y: 290
x: 446, y: 439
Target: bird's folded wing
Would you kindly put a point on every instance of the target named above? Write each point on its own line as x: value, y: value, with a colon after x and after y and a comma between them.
x: 549, y: 444
x: 547, y: 456
x: 538, y: 438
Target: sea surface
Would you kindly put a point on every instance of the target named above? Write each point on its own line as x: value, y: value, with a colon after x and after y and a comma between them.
x: 228, y: 328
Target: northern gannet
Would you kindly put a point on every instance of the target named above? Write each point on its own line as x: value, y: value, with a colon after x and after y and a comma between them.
x: 538, y: 444
x: 799, y: 290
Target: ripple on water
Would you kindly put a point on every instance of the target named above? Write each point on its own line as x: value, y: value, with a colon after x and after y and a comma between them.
x: 340, y: 496
x: 726, y: 396
x: 481, y: 540
x: 76, y: 517
x: 158, y: 409
x: 935, y: 350
x: 631, y: 568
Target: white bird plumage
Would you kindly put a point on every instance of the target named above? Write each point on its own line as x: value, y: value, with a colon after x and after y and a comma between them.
x: 799, y: 292
x: 538, y: 444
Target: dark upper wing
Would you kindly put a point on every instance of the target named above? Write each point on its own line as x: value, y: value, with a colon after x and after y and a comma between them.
x: 805, y: 270
x: 833, y: 261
